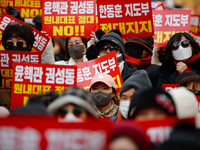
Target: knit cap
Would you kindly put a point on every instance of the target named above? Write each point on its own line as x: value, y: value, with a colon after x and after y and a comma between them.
x: 184, y: 75
x: 138, y: 80
x: 151, y: 98
x: 74, y: 95
x: 114, y: 38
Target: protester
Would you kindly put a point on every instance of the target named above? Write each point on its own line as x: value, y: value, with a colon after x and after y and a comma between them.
x: 59, y: 48
x: 158, y: 56
x: 74, y: 105
x: 103, y: 89
x: 150, y: 104
x: 137, y: 81
x: 76, y: 48
x: 127, y: 136
x: 182, y: 54
x: 184, y: 75
x: 4, y: 112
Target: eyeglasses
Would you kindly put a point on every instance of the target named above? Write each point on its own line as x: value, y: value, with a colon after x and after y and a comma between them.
x: 11, y: 44
x: 195, y: 92
x: 184, y: 44
x: 111, y: 48
x: 77, y: 111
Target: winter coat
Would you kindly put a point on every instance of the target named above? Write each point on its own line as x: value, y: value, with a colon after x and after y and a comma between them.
x: 70, y: 62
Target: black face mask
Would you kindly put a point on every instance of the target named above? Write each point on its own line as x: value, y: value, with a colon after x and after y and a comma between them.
x: 15, y: 48
x: 162, y: 58
x: 135, y: 50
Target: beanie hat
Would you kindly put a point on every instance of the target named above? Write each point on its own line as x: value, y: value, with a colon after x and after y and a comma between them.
x: 105, y: 78
x: 151, y: 98
x: 146, y: 41
x: 131, y: 130
x: 185, y: 101
x: 184, y: 136
x: 113, y: 38
x: 185, y: 75
x: 4, y: 112
x: 138, y: 80
x: 73, y: 95
x: 98, y: 34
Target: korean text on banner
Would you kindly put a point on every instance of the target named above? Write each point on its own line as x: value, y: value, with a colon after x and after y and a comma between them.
x: 33, y: 79
x: 63, y: 18
x: 41, y: 40
x: 106, y: 64
x: 132, y: 18
x: 7, y: 58
x: 27, y: 8
x: 169, y: 22
x: 44, y: 133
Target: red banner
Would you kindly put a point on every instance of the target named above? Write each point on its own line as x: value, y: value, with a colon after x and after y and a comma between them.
x: 40, y: 133
x: 106, y: 64
x: 194, y: 27
x: 34, y: 79
x: 132, y: 18
x: 63, y: 18
x: 7, y: 58
x: 169, y: 22
x: 41, y: 40
x: 27, y: 8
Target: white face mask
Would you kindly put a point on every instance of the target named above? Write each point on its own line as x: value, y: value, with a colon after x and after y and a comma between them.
x: 124, y: 107
x: 182, y: 53
x: 70, y: 117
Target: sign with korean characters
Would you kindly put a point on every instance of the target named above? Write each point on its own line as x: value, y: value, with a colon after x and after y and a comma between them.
x: 63, y: 18
x: 33, y: 79
x: 27, y: 8
x: 7, y: 58
x: 194, y: 27
x: 158, y: 131
x: 45, y: 133
x: 41, y: 40
x: 132, y: 18
x: 106, y: 64
x: 169, y: 22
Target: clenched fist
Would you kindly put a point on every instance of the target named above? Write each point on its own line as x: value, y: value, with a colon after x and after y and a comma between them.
x: 180, y: 67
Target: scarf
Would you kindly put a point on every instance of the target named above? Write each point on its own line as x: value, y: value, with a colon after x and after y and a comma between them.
x: 109, y: 112
x: 135, y: 61
x: 188, y: 63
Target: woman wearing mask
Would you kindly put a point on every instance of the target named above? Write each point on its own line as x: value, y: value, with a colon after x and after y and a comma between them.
x: 76, y: 48
x: 182, y: 55
x: 103, y: 89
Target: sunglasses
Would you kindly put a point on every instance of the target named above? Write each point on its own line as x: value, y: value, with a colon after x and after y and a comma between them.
x: 111, y: 48
x: 184, y: 44
x: 195, y: 92
x: 77, y: 111
x: 11, y: 44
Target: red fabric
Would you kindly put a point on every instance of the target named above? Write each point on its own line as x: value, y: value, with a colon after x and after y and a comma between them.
x: 146, y: 61
x: 132, y: 60
x: 135, y: 61
x: 190, y: 60
x: 119, y: 118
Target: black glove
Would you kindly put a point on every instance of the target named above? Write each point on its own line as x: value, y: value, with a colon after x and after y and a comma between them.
x: 38, y: 22
x: 14, y: 12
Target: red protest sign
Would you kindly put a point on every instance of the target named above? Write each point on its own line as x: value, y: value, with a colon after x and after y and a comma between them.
x: 41, y: 40
x: 160, y: 7
x: 27, y: 8
x: 169, y: 87
x: 132, y: 18
x: 42, y: 133
x: 194, y: 27
x: 63, y: 18
x: 33, y: 79
x: 7, y: 58
x: 169, y: 22
x: 158, y: 130
x: 106, y: 64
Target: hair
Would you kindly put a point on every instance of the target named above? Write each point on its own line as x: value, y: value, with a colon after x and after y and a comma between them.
x: 192, y: 79
x: 84, y: 40
x: 17, y: 30
x: 177, y: 37
x: 115, y: 98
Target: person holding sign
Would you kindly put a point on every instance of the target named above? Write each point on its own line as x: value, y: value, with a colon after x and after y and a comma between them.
x: 76, y: 48
x: 103, y: 89
x: 74, y: 105
x: 182, y: 55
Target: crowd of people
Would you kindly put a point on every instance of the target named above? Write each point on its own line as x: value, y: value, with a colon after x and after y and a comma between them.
x: 144, y: 69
